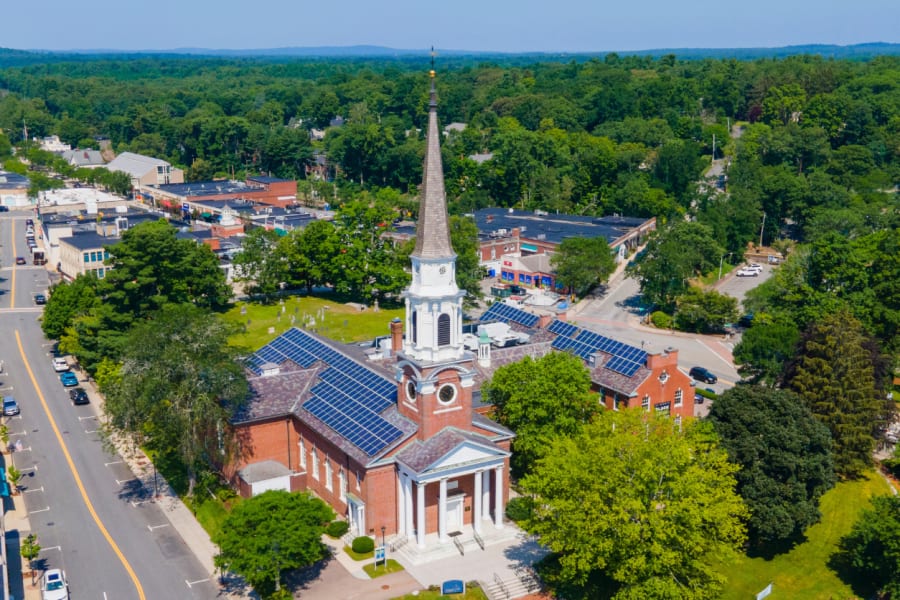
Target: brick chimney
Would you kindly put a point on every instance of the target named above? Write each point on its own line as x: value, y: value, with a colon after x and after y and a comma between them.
x: 396, y: 335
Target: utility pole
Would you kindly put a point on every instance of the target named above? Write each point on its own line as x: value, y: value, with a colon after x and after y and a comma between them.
x: 761, y: 229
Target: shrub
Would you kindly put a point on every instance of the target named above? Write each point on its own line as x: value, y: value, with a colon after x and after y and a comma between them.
x: 336, y: 529
x: 661, y: 320
x: 518, y: 509
x: 363, y: 544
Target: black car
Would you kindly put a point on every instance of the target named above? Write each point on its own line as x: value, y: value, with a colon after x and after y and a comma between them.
x: 79, y: 396
x: 4, y: 208
x: 40, y: 299
x: 701, y: 374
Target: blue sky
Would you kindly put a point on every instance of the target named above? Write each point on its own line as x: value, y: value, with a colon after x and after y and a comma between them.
x: 520, y: 26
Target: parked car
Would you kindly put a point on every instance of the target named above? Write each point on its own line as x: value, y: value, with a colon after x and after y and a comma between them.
x: 20, y: 260
x: 78, y: 396
x: 40, y: 299
x: 702, y: 374
x: 745, y: 272
x: 60, y: 364
x: 4, y: 208
x: 754, y: 266
x: 68, y: 379
x: 10, y: 406
x: 54, y: 585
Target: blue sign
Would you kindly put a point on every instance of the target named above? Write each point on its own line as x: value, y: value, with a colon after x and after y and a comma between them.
x: 453, y: 586
x: 185, y: 207
x: 379, y: 554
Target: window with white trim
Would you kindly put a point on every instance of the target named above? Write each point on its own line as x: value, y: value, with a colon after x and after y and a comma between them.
x: 315, y: 464
x: 678, y: 397
x: 678, y: 422
x: 645, y: 402
x: 342, y: 482
x: 328, y: 474
x: 358, y: 480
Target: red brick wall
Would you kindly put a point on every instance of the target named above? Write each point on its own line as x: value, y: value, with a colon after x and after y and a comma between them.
x: 380, y: 496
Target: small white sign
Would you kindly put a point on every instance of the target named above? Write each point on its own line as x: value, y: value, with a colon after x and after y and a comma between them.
x: 765, y: 592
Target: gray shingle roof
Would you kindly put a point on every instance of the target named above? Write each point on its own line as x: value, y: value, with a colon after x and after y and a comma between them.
x: 433, y: 231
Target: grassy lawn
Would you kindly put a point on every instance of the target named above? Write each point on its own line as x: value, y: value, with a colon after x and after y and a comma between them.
x: 211, y: 514
x: 357, y: 555
x: 804, y: 572
x: 472, y: 593
x: 377, y: 571
x: 330, y: 319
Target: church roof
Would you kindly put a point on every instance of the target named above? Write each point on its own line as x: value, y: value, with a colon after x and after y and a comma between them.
x: 433, y: 231
x: 420, y: 455
x: 335, y: 393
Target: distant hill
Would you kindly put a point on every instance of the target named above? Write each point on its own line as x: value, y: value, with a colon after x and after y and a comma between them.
x: 15, y: 58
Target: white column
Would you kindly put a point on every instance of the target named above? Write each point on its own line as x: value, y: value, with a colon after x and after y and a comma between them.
x: 401, y: 506
x: 420, y: 514
x: 442, y: 512
x: 498, y: 498
x: 486, y: 495
x: 476, y: 509
x: 408, y: 499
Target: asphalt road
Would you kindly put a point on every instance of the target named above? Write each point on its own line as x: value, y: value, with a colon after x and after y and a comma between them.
x: 617, y: 313
x: 91, y: 517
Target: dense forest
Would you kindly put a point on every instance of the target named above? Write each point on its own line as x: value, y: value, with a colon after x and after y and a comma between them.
x: 810, y: 146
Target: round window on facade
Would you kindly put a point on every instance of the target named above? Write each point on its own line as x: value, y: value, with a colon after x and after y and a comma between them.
x: 411, y: 390
x: 446, y: 394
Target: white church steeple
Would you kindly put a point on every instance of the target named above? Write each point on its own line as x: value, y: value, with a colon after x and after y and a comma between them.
x: 433, y: 300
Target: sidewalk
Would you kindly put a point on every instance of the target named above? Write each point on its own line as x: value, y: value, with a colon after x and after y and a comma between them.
x: 16, y: 527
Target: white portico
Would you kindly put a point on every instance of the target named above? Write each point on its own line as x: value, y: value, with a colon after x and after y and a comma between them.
x: 456, y: 477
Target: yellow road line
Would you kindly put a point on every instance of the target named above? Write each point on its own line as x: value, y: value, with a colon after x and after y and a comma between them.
x: 78, y: 482
x: 12, y: 281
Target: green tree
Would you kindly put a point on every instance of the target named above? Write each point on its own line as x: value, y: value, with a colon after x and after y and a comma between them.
x: 464, y: 239
x: 68, y: 300
x: 785, y: 457
x: 541, y: 399
x: 873, y: 547
x: 268, y: 535
x: 179, y: 386
x: 310, y: 254
x: 30, y: 550
x: 704, y: 311
x: 764, y: 349
x: 834, y: 374
x: 259, y: 264
x: 582, y: 263
x: 641, y: 500
x: 673, y: 256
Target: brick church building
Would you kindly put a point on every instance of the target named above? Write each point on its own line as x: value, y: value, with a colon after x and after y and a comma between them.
x: 394, y: 445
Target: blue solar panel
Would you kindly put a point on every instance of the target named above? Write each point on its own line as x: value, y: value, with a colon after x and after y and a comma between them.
x: 562, y: 328
x: 622, y: 365
x: 562, y: 343
x: 501, y: 311
x: 348, y: 397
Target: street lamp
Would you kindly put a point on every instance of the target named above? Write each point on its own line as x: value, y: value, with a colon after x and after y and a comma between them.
x: 720, y: 263
x: 384, y: 547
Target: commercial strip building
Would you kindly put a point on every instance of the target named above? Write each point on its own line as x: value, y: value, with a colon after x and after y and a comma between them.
x: 189, y: 197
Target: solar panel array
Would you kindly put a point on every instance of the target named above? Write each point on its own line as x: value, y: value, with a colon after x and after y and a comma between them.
x: 625, y: 359
x: 348, y: 397
x: 562, y: 328
x: 501, y: 311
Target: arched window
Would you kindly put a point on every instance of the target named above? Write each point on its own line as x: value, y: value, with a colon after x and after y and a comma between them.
x: 415, y: 327
x: 444, y: 330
